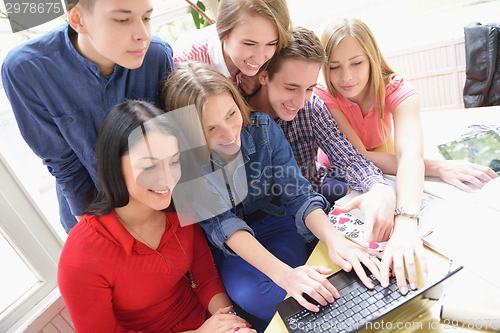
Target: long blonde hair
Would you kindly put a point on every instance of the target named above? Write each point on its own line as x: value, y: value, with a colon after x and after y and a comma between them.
x: 274, y: 10
x: 192, y: 83
x: 380, y: 71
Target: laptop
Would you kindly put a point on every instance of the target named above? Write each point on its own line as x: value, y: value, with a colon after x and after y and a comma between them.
x: 362, y: 309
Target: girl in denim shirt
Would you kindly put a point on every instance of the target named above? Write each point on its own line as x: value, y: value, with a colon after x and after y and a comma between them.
x: 270, y: 204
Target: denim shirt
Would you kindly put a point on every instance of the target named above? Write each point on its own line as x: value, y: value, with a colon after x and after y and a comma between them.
x: 59, y: 100
x: 269, y: 165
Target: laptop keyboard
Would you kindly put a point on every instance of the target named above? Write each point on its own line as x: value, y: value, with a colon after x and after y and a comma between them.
x: 356, y: 306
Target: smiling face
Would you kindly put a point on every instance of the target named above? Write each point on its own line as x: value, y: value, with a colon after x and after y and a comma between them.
x: 114, y: 32
x: 250, y: 44
x: 291, y: 87
x: 350, y: 70
x: 223, y: 122
x: 151, y: 170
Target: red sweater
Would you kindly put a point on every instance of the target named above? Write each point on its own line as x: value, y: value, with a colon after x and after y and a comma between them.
x: 111, y: 282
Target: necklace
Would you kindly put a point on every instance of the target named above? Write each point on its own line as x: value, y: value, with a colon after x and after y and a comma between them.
x: 190, y: 278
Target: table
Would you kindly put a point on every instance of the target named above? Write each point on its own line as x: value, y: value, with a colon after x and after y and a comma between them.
x: 476, y: 255
x: 466, y: 218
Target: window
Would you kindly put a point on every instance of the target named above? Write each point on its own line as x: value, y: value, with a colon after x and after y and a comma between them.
x: 19, y: 278
x: 30, y: 247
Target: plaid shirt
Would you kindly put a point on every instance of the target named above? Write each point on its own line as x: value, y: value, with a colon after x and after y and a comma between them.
x: 314, y: 127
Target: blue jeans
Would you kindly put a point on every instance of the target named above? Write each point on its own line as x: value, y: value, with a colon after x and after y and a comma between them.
x: 253, y: 291
x: 334, y: 189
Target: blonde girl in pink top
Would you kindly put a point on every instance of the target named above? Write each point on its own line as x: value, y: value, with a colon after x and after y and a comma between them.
x: 367, y: 98
x: 375, y: 133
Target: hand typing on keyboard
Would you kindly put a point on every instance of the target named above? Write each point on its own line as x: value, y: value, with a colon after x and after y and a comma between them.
x: 308, y: 280
x: 356, y: 306
x: 350, y: 256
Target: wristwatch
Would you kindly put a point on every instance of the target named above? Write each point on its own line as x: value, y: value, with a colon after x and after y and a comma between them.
x: 408, y: 211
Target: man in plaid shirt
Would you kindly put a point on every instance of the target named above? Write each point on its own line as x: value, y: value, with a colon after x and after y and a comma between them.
x: 287, y: 96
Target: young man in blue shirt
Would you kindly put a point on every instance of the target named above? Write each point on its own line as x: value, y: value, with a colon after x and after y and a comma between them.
x: 287, y: 96
x: 62, y: 84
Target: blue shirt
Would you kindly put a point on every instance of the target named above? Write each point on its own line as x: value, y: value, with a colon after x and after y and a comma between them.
x: 269, y: 166
x: 59, y: 100
x: 314, y: 127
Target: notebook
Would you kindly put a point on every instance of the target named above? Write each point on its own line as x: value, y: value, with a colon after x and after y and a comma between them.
x: 359, y: 308
x: 352, y: 224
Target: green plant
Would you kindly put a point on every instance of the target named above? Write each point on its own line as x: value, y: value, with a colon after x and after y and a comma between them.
x: 200, y: 18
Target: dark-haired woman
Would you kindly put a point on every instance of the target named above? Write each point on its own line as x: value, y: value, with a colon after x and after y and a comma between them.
x: 129, y: 266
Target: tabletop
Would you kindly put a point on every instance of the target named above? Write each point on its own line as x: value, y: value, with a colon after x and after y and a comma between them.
x: 466, y: 231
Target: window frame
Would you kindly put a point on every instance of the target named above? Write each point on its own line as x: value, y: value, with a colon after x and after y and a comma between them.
x: 30, y: 234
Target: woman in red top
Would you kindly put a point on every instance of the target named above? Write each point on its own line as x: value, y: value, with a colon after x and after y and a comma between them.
x: 129, y: 266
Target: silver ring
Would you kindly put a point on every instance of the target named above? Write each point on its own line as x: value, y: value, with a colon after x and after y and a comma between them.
x: 232, y: 312
x: 371, y: 255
